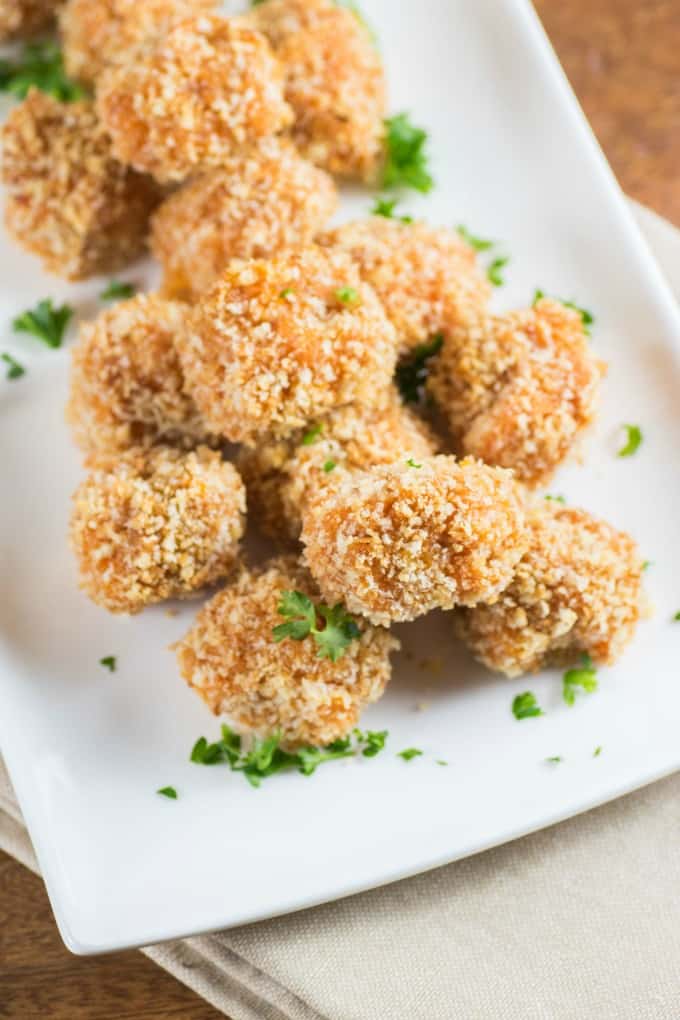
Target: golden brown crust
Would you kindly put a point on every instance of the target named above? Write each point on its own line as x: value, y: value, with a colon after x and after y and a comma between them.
x: 272, y: 345
x: 69, y: 201
x: 21, y: 19
x: 398, y: 541
x: 231, y: 659
x: 127, y: 387
x: 427, y: 278
x: 578, y: 589
x: 157, y: 524
x: 519, y: 390
x: 254, y: 206
x: 105, y: 33
x: 161, y: 123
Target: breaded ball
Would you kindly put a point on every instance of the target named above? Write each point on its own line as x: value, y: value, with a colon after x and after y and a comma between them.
x: 232, y: 660
x: 396, y: 542
x: 254, y: 206
x: 335, y: 83
x: 98, y: 35
x: 69, y: 201
x: 519, y: 390
x: 127, y: 387
x: 577, y: 589
x: 276, y: 344
x: 427, y: 278
x: 156, y: 524
x: 208, y: 88
x: 20, y: 19
x: 282, y: 475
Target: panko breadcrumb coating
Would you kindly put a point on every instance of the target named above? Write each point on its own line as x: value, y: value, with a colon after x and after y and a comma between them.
x: 278, y: 343
x: 335, y: 83
x: 157, y: 524
x: 231, y: 659
x: 518, y: 390
x: 208, y: 88
x: 282, y: 475
x: 69, y: 201
x: 253, y: 206
x: 427, y: 278
x: 396, y: 542
x: 578, y: 589
x: 127, y: 387
x: 20, y: 19
x: 97, y: 35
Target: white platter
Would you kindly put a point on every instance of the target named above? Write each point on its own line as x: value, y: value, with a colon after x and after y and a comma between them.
x: 86, y: 749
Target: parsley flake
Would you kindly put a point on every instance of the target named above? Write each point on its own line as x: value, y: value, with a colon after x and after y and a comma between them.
x: 555, y: 499
x: 385, y: 207
x: 168, y: 791
x: 374, y: 741
x: 412, y: 370
x: 329, y: 466
x: 405, y: 156
x: 116, y: 290
x: 597, y: 752
x: 347, y: 295
x: 587, y: 318
x: 40, y: 66
x: 286, y: 293
x: 109, y: 662
x: 555, y: 759
x: 677, y: 616
x: 647, y: 564
x: 440, y: 761
x: 411, y: 463
x: 478, y: 243
x: 584, y: 676
x: 633, y: 441
x: 45, y: 322
x: 332, y: 638
x: 14, y: 369
x: 525, y: 706
x: 409, y: 754
x: 494, y: 270
x: 312, y: 435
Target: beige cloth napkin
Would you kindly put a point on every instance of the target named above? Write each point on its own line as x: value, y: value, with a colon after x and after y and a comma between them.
x: 578, y: 921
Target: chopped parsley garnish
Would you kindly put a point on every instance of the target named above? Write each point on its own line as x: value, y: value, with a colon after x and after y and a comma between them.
x: 525, y: 706
x: 385, y: 207
x: 409, y: 754
x: 286, y: 293
x: 312, y: 435
x: 633, y: 440
x: 45, y: 322
x: 14, y: 369
x: 587, y: 318
x: 412, y: 370
x: 412, y: 463
x: 555, y: 759
x: 117, y: 290
x: 584, y: 676
x: 647, y: 564
x: 440, y: 761
x: 332, y: 638
x: 264, y: 757
x: 406, y: 159
x: 40, y: 65
x: 555, y: 499
x: 109, y: 662
x: 494, y: 270
x: 347, y: 295
x: 677, y: 616
x: 478, y: 243
x: 329, y: 466
x: 168, y: 791
x: 597, y: 752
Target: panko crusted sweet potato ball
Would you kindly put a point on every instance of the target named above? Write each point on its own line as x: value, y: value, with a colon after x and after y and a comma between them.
x: 231, y: 659
x: 281, y: 475
x: 69, y: 200
x: 101, y: 34
x: 278, y: 343
x: 577, y: 590
x: 127, y: 387
x: 21, y: 19
x: 335, y: 83
x: 428, y: 279
x: 518, y: 390
x: 156, y: 524
x: 209, y: 87
x: 255, y: 205
x: 396, y: 542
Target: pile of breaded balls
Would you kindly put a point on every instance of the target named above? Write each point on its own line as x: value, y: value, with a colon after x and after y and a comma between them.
x: 262, y: 374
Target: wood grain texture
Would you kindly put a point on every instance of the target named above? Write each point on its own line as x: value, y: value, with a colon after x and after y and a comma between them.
x: 622, y: 59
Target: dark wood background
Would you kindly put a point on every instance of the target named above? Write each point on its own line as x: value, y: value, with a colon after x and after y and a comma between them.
x: 623, y: 59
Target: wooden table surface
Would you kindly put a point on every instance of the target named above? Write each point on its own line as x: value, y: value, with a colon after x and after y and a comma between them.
x: 622, y: 57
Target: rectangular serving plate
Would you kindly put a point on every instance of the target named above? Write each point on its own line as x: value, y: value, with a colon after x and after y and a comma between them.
x: 513, y: 160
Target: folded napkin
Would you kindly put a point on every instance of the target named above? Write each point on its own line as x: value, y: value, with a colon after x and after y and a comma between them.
x: 578, y: 921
